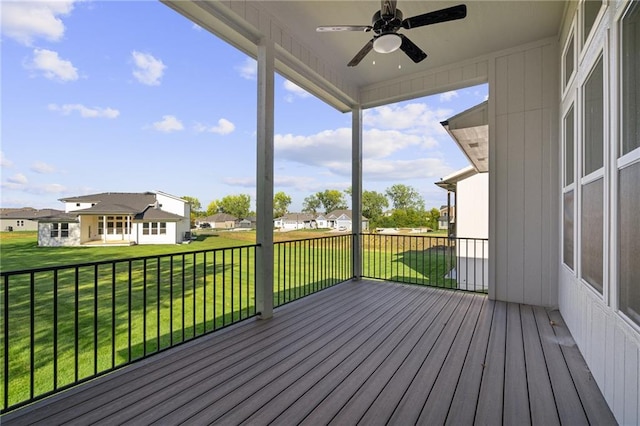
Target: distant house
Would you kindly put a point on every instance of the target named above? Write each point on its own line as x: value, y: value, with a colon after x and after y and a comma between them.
x: 218, y: 221
x: 117, y: 218
x: 24, y: 219
x: 447, y: 217
x: 337, y: 219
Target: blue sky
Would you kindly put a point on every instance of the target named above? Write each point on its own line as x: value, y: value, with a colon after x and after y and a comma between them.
x: 121, y: 96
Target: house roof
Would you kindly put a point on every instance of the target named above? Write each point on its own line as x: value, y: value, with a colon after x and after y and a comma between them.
x: 30, y: 214
x: 218, y: 217
x: 470, y: 130
x: 114, y: 202
x: 153, y: 214
x: 52, y: 215
x: 449, y: 182
x: 340, y: 212
x: 303, y: 217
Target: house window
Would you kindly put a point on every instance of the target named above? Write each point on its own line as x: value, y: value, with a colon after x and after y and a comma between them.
x: 77, y: 204
x: 593, y: 121
x: 59, y: 230
x: 100, y: 227
x: 19, y: 222
x: 568, y: 146
x: 154, y: 228
x: 568, y: 201
x: 163, y: 228
x: 592, y: 206
x: 569, y: 61
x: 145, y: 228
x: 589, y: 15
x: 631, y: 80
x: 629, y: 169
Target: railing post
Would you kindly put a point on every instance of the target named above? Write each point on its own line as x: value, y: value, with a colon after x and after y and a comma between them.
x: 356, y: 191
x: 264, y: 180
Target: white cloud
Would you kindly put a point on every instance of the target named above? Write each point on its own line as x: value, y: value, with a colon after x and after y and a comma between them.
x: 42, y: 167
x: 25, y: 21
x: 52, y: 66
x: 447, y: 96
x: 168, y: 124
x: 224, y: 127
x: 4, y: 161
x: 85, y: 112
x: 415, y: 118
x: 18, y: 179
x: 295, y: 91
x: 248, y: 69
x: 420, y: 168
x: 148, y: 70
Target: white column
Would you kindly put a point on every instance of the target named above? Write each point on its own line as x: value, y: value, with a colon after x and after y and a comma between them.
x: 264, y: 180
x: 356, y: 189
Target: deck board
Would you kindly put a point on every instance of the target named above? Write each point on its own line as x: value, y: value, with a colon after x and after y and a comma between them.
x: 365, y: 352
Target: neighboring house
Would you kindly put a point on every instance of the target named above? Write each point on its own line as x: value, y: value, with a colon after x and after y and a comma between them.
x: 25, y: 219
x: 117, y: 218
x: 247, y: 223
x: 337, y: 219
x: 470, y: 187
x: 218, y: 221
x: 447, y: 217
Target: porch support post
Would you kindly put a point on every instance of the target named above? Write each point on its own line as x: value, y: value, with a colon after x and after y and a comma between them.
x: 356, y: 190
x: 264, y: 180
x: 104, y: 229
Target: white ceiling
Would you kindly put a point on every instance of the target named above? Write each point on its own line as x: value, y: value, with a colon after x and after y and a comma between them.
x: 490, y: 26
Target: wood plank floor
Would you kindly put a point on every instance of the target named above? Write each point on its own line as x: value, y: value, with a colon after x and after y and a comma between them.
x: 363, y: 352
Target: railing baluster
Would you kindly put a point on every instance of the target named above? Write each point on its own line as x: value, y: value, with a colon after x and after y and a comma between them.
x: 5, y: 368
x: 113, y: 315
x: 32, y: 328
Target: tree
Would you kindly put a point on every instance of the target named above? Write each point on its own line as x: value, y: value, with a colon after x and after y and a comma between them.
x: 235, y: 205
x: 195, y: 203
x: 331, y: 200
x: 281, y: 203
x: 373, y: 205
x: 213, y: 208
x: 432, y: 218
x: 405, y: 197
x: 311, y: 204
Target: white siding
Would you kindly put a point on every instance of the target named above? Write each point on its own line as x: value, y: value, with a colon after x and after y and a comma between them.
x: 472, y: 199
x: 45, y: 238
x: 523, y: 149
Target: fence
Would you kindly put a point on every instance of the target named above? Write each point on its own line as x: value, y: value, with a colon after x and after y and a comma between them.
x: 65, y: 325
x: 446, y: 262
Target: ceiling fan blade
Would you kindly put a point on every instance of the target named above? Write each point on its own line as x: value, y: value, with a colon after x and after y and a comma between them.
x: 361, y: 54
x: 388, y: 8
x: 333, y: 28
x: 443, y: 15
x: 414, y: 52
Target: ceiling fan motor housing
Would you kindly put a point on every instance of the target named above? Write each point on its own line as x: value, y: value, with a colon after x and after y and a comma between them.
x: 386, y: 23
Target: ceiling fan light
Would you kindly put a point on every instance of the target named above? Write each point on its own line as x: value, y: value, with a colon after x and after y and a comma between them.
x: 387, y: 43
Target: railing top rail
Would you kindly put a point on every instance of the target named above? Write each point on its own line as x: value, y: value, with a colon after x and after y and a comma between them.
x: 328, y: 237
x: 440, y: 237
x: 112, y: 261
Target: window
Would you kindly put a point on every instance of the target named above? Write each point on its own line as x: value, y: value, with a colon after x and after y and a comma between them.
x: 593, y: 121
x: 569, y: 61
x: 100, y: 227
x: 592, y: 206
x: 568, y: 147
x: 592, y: 234
x: 631, y: 80
x: 154, y: 228
x: 59, y: 230
x: 568, y: 229
x: 589, y: 15
x: 628, y: 201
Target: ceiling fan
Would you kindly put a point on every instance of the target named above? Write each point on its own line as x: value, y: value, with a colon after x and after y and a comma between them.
x: 385, y: 24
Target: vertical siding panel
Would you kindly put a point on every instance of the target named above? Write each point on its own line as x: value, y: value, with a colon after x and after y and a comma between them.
x: 598, y: 331
x: 515, y: 209
x: 515, y: 82
x: 549, y: 210
x: 533, y: 207
x: 630, y: 385
x: 500, y: 169
x: 550, y: 76
x: 501, y: 87
x: 609, y: 378
x: 618, y: 398
x: 533, y: 79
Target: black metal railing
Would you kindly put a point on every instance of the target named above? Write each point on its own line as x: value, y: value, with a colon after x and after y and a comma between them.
x: 65, y: 325
x: 303, y: 267
x: 446, y: 262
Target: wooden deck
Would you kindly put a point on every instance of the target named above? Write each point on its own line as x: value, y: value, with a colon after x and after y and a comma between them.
x: 358, y: 353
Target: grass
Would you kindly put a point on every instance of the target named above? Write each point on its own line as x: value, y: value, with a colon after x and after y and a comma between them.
x: 124, y: 313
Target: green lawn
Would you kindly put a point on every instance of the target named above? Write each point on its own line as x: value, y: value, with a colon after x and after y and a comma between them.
x: 124, y: 313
